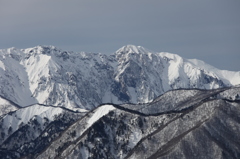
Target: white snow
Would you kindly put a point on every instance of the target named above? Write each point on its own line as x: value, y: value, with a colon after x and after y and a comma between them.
x: 100, y: 112
x: 133, y: 49
x: 14, y: 82
x: 2, y: 65
x: 31, y: 76
x: 39, y: 63
x: 23, y: 115
x: 229, y: 77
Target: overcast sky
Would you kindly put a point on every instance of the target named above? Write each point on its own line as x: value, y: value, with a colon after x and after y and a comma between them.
x: 208, y: 30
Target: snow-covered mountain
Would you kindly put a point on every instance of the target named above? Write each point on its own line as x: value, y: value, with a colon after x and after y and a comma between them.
x: 133, y: 74
x: 30, y: 129
x: 183, y: 123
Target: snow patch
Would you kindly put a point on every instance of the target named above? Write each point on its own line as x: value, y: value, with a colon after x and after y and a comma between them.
x: 100, y: 112
x: 2, y: 65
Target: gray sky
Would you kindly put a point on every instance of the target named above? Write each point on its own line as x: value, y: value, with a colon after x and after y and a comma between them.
x: 208, y: 30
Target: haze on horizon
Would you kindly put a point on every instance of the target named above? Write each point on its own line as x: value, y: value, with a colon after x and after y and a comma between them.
x: 201, y: 29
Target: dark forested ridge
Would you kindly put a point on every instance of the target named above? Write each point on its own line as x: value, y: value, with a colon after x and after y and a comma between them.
x: 184, y: 123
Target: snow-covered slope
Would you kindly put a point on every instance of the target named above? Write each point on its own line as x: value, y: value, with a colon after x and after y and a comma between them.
x: 185, y: 123
x: 133, y: 74
x: 30, y: 129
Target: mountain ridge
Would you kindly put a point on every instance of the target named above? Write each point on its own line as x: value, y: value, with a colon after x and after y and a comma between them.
x: 193, y: 119
x: 133, y: 74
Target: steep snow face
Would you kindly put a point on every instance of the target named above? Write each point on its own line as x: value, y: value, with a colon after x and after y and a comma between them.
x: 133, y: 74
x: 40, y: 82
x: 221, y: 74
x: 184, y: 73
x: 14, y: 83
x: 100, y: 112
x: 175, y: 64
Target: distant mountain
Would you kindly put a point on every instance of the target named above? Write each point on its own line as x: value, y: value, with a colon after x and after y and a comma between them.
x: 183, y: 123
x: 133, y: 74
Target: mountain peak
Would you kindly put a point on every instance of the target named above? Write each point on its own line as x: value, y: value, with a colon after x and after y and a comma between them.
x: 46, y: 74
x: 133, y: 49
x: 41, y: 49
